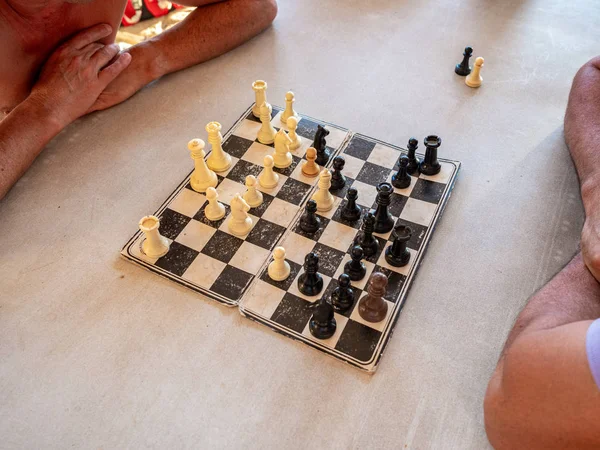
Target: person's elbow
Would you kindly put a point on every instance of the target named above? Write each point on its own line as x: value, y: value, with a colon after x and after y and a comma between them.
x: 268, y: 11
x: 495, y: 414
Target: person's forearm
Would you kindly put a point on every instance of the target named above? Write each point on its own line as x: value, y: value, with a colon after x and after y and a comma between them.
x: 206, y: 33
x: 550, y: 307
x: 23, y: 135
x: 582, y: 132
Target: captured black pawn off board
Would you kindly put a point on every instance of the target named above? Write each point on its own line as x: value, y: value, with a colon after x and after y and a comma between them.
x: 310, y: 282
x: 342, y: 297
x: 355, y: 268
x: 320, y: 145
x: 310, y: 222
x: 365, y: 238
x: 338, y: 180
x: 383, y: 219
x: 397, y: 254
x: 322, y: 324
x: 430, y: 164
x: 413, y: 161
x: 462, y: 68
x: 401, y: 179
x: 351, y: 211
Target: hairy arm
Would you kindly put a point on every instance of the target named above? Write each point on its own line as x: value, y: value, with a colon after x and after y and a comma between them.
x: 582, y: 134
x: 214, y: 28
x: 542, y: 394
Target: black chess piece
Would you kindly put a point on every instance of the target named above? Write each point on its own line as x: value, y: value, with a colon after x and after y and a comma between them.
x: 401, y: 179
x: 320, y: 145
x: 342, y: 297
x: 397, y: 254
x: 383, y: 218
x: 355, y: 268
x: 310, y: 222
x: 351, y: 212
x: 462, y: 68
x: 338, y: 180
x: 430, y: 164
x: 322, y: 323
x: 365, y: 238
x: 310, y: 282
x: 413, y: 161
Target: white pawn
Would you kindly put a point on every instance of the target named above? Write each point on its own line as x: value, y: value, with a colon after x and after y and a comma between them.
x: 282, y: 156
x: 260, y: 91
x: 202, y: 177
x: 289, y: 107
x: 252, y: 196
x: 323, y: 197
x: 218, y: 160
x: 279, y: 268
x: 154, y: 245
x: 474, y: 79
x: 266, y: 134
x: 310, y: 168
x: 215, y: 209
x: 240, y: 222
x: 292, y: 124
x: 268, y: 178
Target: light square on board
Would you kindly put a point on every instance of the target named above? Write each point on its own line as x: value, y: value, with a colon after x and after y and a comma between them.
x: 195, y: 235
x: 418, y: 211
x: 281, y: 212
x: 360, y: 284
x: 225, y: 227
x: 274, y: 190
x: 352, y: 166
x: 136, y: 250
x: 329, y: 214
x: 406, y: 191
x: 257, y: 152
x: 445, y: 173
x: 331, y: 342
x: 203, y: 271
x: 297, y: 247
x: 227, y: 190
x: 385, y: 156
x: 247, y: 129
x: 294, y: 288
x: 379, y: 326
x: 298, y: 175
x: 263, y: 298
x: 367, y: 194
x: 338, y: 236
x: 187, y: 202
x: 292, y: 312
x: 225, y: 172
x: 336, y: 137
x: 249, y: 258
x: 404, y: 270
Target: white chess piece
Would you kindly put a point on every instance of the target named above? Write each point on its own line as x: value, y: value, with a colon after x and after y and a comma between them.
x: 289, y: 107
x: 202, y: 177
x: 279, y: 268
x: 310, y: 168
x: 266, y: 134
x: 282, y: 156
x: 268, y: 178
x: 323, y: 197
x: 474, y: 79
x: 218, y: 160
x: 154, y: 245
x: 215, y: 209
x: 240, y: 222
x: 292, y: 124
x: 252, y: 196
x: 260, y: 91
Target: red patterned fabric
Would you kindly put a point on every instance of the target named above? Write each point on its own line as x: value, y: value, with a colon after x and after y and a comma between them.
x: 137, y: 10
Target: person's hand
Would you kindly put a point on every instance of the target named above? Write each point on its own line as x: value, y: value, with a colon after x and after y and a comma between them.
x: 590, y: 245
x: 77, y: 73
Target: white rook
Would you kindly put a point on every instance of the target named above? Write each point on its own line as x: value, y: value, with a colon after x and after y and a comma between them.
x: 260, y: 90
x: 154, y: 245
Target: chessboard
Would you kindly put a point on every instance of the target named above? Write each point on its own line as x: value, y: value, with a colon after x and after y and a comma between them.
x: 206, y: 257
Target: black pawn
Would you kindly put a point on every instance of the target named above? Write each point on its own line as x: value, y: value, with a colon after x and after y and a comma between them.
x: 365, y: 239
x: 355, y: 268
x: 413, y: 161
x: 396, y: 254
x: 310, y: 222
x: 310, y: 282
x: 463, y: 68
x: 322, y: 323
x: 320, y: 145
x: 342, y: 297
x: 338, y: 180
x: 430, y: 164
x: 401, y: 179
x: 383, y: 218
x: 351, y: 211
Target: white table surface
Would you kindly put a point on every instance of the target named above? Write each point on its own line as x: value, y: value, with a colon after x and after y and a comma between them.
x: 96, y: 352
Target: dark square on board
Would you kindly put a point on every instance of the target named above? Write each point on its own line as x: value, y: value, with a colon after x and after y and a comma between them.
x: 222, y: 246
x: 171, y: 223
x: 178, y: 259
x: 428, y: 191
x: 237, y: 146
x: 307, y: 129
x: 265, y: 234
x: 292, y: 312
x: 372, y: 174
x: 418, y: 233
x: 260, y: 209
x: 333, y: 284
x: 314, y: 236
x: 358, y: 341
x: 337, y: 215
x: 372, y: 258
x: 287, y: 171
x: 201, y: 217
x: 341, y: 193
x: 287, y: 283
x: 359, y: 148
x: 242, y: 169
x: 232, y: 282
x: 395, y: 283
x: 293, y: 191
x: 329, y: 259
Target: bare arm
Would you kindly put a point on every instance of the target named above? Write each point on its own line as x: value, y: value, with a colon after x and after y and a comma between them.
x: 542, y: 394
x: 208, y: 31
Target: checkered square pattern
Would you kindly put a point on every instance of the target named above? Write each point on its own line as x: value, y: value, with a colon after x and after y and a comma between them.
x: 204, y: 254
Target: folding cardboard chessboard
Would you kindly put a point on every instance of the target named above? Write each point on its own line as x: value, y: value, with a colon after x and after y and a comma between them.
x: 206, y: 257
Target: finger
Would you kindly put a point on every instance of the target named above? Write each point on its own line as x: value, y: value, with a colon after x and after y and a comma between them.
x: 89, y: 50
x: 113, y: 70
x: 104, y: 55
x: 90, y: 35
